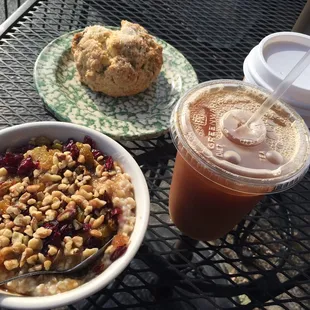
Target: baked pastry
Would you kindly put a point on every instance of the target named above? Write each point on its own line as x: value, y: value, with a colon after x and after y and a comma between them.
x: 117, y: 62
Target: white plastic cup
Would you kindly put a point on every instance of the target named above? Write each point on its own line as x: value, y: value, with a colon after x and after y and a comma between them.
x: 270, y: 61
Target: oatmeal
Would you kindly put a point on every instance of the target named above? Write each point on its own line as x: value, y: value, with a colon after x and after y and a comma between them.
x: 60, y: 203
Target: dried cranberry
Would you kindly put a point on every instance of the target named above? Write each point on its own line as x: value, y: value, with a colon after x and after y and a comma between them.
x: 59, y: 231
x: 75, y: 152
x: 96, y: 153
x: 116, y: 211
x: 2, y: 161
x: 66, y: 230
x: 108, y: 163
x: 67, y: 146
x: 71, y: 147
x: 118, y: 252
x: 63, y: 204
x: 45, y: 247
x: 53, y: 239
x: 11, y: 170
x: 25, y: 212
x: 114, y: 215
x: 86, y: 227
x: 93, y: 242
x: 50, y: 224
x: 12, y: 160
x: 108, y: 200
x: 98, y: 269
x: 27, y: 166
x: 90, y: 141
x: 9, y: 159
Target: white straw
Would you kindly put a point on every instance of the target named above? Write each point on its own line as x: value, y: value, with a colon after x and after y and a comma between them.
x: 281, y: 89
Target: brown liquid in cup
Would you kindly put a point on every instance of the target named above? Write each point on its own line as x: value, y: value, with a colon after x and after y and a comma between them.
x: 202, y: 209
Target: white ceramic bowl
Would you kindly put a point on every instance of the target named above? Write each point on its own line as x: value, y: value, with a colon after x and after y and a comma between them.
x: 21, y: 134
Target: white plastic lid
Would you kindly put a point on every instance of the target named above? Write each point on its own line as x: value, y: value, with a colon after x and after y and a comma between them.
x: 270, y: 61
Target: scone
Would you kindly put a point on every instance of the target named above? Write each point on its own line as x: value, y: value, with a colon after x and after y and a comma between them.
x: 117, y: 62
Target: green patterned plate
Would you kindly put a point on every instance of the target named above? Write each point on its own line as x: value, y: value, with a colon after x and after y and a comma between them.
x: 143, y: 116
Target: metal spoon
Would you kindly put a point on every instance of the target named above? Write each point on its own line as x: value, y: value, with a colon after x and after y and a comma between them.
x: 82, y: 265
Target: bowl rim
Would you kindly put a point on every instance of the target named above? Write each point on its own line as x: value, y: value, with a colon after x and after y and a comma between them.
x: 102, y: 280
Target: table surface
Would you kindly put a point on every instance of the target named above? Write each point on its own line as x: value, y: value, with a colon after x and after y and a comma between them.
x: 264, y: 262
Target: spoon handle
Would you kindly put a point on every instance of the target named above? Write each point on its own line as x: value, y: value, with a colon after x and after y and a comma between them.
x: 31, y: 274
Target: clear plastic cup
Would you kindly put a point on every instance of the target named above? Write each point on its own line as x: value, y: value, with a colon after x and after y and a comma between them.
x: 217, y: 178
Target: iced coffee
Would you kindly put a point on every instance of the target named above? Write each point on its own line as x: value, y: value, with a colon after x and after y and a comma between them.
x: 223, y: 169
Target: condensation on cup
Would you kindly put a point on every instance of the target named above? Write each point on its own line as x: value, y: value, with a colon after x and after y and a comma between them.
x: 219, y: 176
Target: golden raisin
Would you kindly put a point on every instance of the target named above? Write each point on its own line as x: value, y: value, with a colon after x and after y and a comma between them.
x: 44, y: 156
x: 3, y: 206
x: 89, y: 158
x: 120, y: 240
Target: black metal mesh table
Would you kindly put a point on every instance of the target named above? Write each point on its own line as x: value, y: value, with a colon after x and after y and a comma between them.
x: 264, y: 262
